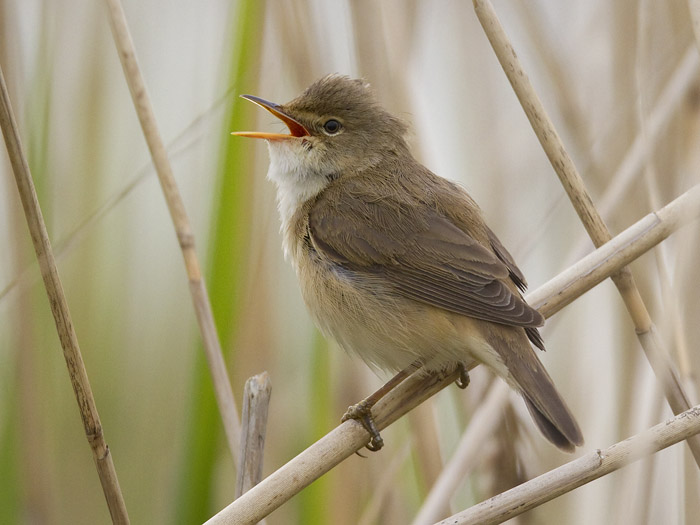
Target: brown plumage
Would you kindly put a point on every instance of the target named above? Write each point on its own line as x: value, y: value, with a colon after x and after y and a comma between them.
x: 396, y: 263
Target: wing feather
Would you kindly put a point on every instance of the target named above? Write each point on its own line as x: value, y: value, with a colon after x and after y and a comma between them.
x: 422, y: 254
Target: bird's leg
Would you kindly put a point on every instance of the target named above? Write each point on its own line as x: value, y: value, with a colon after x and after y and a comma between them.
x: 463, y: 379
x: 362, y: 411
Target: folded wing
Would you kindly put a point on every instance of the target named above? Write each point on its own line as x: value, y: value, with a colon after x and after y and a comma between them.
x: 423, y: 254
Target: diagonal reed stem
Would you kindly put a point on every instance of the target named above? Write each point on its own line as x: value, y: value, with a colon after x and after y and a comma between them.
x: 350, y: 436
x: 482, y: 424
x: 595, y: 267
x: 60, y: 311
x: 597, y: 230
x: 183, y: 230
x: 548, y: 299
x: 580, y: 471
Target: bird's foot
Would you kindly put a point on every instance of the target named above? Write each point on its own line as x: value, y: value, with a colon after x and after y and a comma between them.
x: 463, y: 379
x: 362, y: 412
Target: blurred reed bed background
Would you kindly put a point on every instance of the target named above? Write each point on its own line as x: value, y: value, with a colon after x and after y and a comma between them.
x: 620, y: 81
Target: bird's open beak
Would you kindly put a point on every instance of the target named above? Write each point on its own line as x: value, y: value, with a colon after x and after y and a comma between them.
x: 295, y: 128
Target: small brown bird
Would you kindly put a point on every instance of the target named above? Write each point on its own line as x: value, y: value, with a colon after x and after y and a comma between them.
x: 395, y: 263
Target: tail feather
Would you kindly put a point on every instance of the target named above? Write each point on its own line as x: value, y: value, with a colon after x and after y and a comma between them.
x: 526, y: 373
x: 566, y: 442
x: 547, y: 408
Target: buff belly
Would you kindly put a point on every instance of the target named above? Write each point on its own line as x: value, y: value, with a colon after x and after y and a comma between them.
x: 388, y: 331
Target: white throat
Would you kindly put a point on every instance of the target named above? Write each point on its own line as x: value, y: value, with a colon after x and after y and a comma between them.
x: 297, y: 182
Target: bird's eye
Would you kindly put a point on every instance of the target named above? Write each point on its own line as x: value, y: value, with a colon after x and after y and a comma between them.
x: 331, y: 126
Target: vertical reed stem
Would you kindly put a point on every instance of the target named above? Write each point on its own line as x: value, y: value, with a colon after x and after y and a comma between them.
x: 183, y: 230
x: 60, y: 311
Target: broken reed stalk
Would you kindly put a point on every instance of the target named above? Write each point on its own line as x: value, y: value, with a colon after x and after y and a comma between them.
x: 580, y: 471
x: 256, y: 400
x: 350, y: 436
x: 60, y: 311
x: 183, y: 230
x: 336, y: 446
x: 587, y: 212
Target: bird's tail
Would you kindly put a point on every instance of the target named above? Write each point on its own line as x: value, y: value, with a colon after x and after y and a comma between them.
x: 548, y: 409
x: 546, y: 406
x: 561, y: 430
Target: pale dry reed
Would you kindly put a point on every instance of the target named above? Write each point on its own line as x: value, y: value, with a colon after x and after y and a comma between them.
x: 620, y: 83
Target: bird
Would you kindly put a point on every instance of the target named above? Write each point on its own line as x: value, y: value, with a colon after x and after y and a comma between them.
x: 395, y: 263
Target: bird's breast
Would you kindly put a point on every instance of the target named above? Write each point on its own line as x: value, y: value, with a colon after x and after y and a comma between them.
x: 366, y: 316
